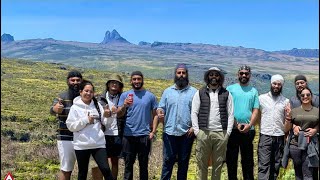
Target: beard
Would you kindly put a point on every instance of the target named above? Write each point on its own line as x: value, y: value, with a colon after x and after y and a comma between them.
x: 214, y: 81
x: 137, y: 86
x: 181, y: 82
x: 243, y: 80
x: 74, y: 90
x: 275, y: 92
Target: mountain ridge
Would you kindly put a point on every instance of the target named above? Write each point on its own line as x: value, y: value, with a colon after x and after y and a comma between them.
x: 234, y: 51
x: 114, y: 37
x: 300, y: 52
x: 157, y: 59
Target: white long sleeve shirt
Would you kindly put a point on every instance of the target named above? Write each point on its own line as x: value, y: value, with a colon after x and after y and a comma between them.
x: 85, y: 135
x: 272, y: 114
x: 111, y: 122
x: 214, y: 116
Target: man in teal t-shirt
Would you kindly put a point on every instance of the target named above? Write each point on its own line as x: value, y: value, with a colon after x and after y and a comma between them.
x: 246, y: 106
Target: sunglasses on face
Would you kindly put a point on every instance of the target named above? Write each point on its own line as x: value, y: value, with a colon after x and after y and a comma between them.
x: 114, y: 82
x: 181, y: 72
x: 305, y: 95
x: 244, y: 73
x: 214, y: 74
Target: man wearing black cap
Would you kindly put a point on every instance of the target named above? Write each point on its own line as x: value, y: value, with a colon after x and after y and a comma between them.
x: 246, y: 109
x: 175, y: 109
x: 60, y: 108
x: 140, y: 106
x: 301, y: 83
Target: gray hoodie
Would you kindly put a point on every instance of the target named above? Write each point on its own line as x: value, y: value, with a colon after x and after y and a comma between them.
x: 85, y: 135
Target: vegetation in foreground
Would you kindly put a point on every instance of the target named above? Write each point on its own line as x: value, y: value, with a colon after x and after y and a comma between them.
x: 28, y: 138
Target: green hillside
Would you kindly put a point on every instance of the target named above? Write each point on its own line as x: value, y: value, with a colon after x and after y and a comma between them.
x: 28, y: 139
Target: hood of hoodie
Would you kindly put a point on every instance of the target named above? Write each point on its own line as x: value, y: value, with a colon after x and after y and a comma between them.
x: 78, y: 101
x: 91, y: 108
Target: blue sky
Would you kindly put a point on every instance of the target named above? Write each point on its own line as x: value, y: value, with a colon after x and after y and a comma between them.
x: 262, y: 24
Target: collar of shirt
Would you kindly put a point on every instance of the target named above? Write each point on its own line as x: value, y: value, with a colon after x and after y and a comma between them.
x: 112, y: 98
x: 211, y: 90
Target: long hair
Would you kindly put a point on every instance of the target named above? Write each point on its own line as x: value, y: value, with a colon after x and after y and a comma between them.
x: 206, y: 77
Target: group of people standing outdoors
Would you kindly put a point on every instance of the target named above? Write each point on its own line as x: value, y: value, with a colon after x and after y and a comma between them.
x: 220, y: 120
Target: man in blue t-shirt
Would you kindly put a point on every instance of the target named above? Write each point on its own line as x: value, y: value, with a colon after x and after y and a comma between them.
x: 246, y: 106
x: 139, y: 106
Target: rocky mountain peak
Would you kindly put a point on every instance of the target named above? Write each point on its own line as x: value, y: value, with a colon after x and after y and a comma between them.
x: 113, y: 37
x: 7, y: 38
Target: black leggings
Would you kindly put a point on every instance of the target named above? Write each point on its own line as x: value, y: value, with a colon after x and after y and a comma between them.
x: 99, y: 155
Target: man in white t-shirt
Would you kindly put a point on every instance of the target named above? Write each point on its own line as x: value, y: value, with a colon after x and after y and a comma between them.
x: 114, y: 127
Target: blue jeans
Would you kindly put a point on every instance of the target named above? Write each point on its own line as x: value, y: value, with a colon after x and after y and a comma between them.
x: 176, y: 148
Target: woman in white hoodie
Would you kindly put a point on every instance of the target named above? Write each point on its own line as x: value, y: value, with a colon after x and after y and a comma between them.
x: 86, y: 123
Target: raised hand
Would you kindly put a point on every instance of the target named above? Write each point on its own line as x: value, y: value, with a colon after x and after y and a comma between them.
x: 114, y: 110
x: 287, y: 110
x: 107, y: 111
x: 91, y: 118
x: 129, y: 100
x: 58, y: 107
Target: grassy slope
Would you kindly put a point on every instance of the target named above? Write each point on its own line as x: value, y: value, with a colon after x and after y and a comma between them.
x: 27, y: 90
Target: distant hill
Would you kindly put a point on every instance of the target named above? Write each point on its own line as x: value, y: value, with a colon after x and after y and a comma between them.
x: 6, y: 38
x: 312, y: 53
x: 157, y: 59
x: 113, y: 37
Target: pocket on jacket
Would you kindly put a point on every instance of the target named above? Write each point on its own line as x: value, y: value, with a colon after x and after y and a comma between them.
x: 82, y: 138
x: 313, y: 160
